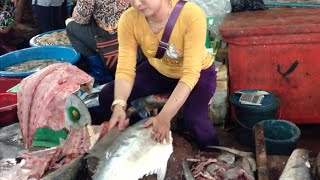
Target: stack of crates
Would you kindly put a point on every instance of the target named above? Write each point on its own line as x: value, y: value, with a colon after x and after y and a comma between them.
x: 218, y: 104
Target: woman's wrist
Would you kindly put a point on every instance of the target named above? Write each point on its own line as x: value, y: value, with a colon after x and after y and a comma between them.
x: 164, y: 116
x: 119, y: 103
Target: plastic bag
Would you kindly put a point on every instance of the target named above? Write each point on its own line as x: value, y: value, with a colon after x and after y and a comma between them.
x: 247, y: 5
x: 216, y: 9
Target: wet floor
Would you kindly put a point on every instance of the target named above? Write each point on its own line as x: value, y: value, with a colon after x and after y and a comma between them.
x: 310, y: 135
x: 184, y: 148
x: 310, y: 138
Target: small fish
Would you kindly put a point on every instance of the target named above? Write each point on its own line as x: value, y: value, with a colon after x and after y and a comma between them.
x: 55, y: 38
x: 31, y: 65
x: 133, y: 155
x: 186, y: 171
x: 248, y: 155
x: 298, y: 166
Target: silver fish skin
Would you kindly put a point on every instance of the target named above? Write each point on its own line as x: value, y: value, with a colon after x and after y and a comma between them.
x: 133, y: 155
x: 248, y: 155
x: 298, y: 166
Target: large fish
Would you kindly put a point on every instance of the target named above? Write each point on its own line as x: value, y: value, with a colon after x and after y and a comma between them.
x: 133, y: 155
x: 298, y: 166
x: 42, y: 96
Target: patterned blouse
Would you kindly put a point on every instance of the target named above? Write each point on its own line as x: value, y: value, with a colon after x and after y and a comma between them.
x: 105, y: 12
x: 6, y: 14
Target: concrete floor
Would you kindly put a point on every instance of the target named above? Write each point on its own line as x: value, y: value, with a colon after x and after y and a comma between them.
x: 184, y: 148
x: 228, y: 137
x: 310, y: 138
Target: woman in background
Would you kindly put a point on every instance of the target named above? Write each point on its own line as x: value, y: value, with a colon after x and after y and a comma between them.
x: 17, y: 25
x: 51, y: 14
x: 92, y: 31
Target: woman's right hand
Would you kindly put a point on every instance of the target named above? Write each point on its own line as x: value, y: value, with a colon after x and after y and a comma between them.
x: 119, y: 117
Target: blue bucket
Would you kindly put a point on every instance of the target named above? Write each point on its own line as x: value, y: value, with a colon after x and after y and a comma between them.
x: 249, y: 115
x: 280, y: 136
x: 61, y: 53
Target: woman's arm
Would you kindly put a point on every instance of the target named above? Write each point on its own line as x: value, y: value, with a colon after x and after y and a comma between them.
x: 126, y: 67
x: 161, y: 122
x: 194, y: 45
x: 19, y: 8
x: 125, y: 73
x: 122, y: 89
x: 175, y: 102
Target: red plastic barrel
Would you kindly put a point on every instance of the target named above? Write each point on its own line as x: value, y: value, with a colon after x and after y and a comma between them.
x: 277, y: 50
x: 7, y: 83
x: 8, y: 109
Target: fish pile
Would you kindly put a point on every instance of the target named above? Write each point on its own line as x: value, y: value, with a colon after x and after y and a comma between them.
x: 42, y: 96
x: 32, y: 65
x: 55, y: 38
x: 298, y: 166
x: 34, y: 164
x: 133, y: 154
x: 226, y: 166
x: 41, y: 103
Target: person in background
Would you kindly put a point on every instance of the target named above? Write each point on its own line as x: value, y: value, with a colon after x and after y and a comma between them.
x: 6, y: 14
x: 186, y: 70
x: 6, y: 21
x: 92, y: 31
x: 51, y: 14
x: 17, y: 25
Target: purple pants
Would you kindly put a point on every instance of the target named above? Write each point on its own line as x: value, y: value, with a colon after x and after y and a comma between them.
x: 149, y: 81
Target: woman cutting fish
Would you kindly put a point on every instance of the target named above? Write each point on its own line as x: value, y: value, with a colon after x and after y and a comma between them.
x: 186, y: 69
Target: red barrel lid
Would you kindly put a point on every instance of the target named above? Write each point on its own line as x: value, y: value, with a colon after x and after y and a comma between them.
x: 271, y: 21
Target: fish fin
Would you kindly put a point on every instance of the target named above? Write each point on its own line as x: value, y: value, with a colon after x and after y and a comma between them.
x: 161, y: 173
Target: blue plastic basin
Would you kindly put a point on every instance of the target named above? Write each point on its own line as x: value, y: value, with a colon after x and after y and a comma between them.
x: 280, y: 136
x: 32, y: 41
x: 61, y: 53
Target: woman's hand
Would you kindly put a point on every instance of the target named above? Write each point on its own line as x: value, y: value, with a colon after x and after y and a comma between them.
x: 119, y: 117
x: 160, y: 129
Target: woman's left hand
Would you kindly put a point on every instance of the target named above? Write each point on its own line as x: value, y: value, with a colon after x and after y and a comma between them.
x: 160, y: 129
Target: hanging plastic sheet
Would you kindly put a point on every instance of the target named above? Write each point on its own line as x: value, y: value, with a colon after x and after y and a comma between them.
x: 215, y: 9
